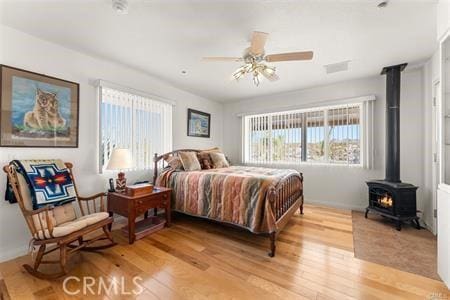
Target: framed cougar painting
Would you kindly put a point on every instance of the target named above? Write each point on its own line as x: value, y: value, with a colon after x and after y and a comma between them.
x: 37, y: 110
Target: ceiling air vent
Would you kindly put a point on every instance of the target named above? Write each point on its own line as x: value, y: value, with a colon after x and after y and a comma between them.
x: 337, y: 67
x: 120, y: 6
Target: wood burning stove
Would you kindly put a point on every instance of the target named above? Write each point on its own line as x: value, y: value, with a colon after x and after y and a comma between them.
x: 395, y: 200
x: 390, y: 197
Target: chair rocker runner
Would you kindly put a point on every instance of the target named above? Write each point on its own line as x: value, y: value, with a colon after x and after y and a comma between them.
x: 59, y: 225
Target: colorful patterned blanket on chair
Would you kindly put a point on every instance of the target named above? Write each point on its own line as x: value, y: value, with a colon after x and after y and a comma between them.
x: 49, y: 181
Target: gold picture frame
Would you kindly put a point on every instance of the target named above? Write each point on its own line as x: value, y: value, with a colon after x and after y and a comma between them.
x: 37, y: 110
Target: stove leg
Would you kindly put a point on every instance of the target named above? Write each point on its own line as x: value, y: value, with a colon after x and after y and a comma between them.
x: 398, y: 225
x: 416, y: 222
x: 367, y: 211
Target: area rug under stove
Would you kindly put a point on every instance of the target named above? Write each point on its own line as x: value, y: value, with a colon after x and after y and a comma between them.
x: 375, y: 239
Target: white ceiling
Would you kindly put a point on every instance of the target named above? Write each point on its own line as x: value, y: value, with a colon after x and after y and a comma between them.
x: 163, y: 37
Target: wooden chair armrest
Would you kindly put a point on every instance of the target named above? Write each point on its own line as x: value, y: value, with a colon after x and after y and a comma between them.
x: 45, y: 223
x: 39, y: 210
x: 91, y: 208
x: 91, y: 197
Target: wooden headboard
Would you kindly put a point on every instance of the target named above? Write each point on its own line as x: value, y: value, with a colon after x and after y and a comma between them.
x: 159, y: 159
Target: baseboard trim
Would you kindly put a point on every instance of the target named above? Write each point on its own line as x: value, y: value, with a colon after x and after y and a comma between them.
x: 13, y: 253
x: 335, y: 205
x: 427, y: 227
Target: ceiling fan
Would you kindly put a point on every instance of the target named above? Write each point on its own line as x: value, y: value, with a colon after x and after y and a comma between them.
x: 255, y: 56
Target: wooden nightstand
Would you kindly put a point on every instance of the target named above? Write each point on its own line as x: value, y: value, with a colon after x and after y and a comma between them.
x: 132, y: 207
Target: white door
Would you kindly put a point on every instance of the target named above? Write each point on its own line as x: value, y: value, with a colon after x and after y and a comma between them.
x: 443, y: 247
x: 435, y: 149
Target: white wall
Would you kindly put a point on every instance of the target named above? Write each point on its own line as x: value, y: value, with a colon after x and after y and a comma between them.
x: 27, y: 52
x: 442, y: 18
x: 341, y: 186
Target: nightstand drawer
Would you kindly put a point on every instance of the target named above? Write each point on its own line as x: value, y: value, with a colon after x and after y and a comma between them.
x: 155, y: 201
x: 143, y: 205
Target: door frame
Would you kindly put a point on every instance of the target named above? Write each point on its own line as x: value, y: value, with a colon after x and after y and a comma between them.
x: 436, y: 131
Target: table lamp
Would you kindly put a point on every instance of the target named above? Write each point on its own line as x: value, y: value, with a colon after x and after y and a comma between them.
x: 120, y: 160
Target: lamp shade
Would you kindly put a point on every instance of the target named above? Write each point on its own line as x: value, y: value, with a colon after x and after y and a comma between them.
x: 120, y: 159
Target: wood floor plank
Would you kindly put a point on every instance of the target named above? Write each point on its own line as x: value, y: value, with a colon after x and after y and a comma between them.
x: 197, y: 259
x: 4, y: 295
x: 343, y: 267
x: 215, y: 280
x: 205, y: 282
x: 180, y: 254
x: 149, y: 266
x: 273, y: 289
x: 184, y: 242
x: 233, y: 274
x: 264, y: 266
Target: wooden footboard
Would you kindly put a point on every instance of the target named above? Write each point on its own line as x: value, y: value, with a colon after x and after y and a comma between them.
x: 285, y: 194
x: 285, y: 198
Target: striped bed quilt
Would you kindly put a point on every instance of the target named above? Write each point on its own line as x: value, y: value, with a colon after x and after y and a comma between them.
x: 236, y: 195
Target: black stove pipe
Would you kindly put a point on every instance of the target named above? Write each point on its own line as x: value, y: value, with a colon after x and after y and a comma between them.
x: 393, y: 121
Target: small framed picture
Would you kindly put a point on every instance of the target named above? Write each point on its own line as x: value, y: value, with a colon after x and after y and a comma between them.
x: 198, y: 124
x: 37, y: 110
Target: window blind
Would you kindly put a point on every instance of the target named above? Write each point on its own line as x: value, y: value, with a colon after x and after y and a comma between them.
x: 135, y: 122
x: 330, y: 135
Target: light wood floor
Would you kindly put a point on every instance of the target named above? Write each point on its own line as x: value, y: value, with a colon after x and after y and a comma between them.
x: 196, y: 259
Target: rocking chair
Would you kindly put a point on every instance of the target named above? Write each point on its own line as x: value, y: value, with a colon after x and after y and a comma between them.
x: 59, y: 225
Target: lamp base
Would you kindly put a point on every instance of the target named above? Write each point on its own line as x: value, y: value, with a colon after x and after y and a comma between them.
x: 121, y: 182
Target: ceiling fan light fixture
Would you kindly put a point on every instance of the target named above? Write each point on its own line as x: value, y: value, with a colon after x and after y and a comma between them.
x: 256, y: 79
x: 256, y: 70
x: 239, y: 73
x: 269, y: 70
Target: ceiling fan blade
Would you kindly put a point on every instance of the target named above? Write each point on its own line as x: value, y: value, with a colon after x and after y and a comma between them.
x: 305, y: 55
x: 257, y: 42
x: 219, y: 58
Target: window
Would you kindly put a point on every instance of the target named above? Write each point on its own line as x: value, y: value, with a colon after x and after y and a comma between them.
x: 138, y: 123
x: 321, y: 135
x: 344, y: 138
x: 315, y: 136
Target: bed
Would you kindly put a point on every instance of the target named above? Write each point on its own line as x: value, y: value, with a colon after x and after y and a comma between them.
x: 261, y: 200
